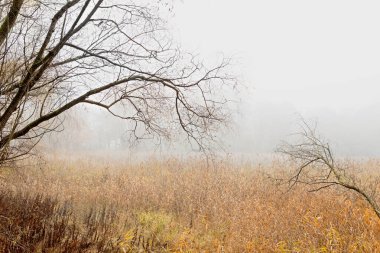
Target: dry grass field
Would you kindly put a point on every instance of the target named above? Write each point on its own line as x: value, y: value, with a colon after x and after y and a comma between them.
x: 176, y: 206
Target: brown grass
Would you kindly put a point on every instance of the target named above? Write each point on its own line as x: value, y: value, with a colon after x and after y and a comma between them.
x: 176, y: 206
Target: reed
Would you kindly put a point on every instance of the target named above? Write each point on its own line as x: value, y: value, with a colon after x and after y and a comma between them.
x: 177, y: 206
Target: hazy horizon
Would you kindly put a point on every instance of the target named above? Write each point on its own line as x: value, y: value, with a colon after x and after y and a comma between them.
x: 318, y: 60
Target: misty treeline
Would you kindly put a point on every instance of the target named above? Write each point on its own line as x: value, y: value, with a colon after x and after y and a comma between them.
x: 116, y: 55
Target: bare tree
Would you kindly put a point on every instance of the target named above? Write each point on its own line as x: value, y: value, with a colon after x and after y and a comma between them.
x: 112, y: 54
x: 319, y: 169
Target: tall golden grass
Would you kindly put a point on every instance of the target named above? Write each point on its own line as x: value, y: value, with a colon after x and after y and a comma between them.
x: 176, y: 206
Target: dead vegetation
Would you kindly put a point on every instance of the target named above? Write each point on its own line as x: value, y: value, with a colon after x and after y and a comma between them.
x: 177, y: 206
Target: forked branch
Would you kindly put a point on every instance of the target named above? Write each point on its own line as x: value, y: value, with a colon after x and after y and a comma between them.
x: 318, y: 168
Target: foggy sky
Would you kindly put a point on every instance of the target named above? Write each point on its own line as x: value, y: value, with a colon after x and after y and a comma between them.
x: 309, y: 53
x: 317, y: 59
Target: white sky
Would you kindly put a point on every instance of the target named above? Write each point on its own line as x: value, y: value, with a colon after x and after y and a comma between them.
x: 320, y: 59
x: 308, y: 53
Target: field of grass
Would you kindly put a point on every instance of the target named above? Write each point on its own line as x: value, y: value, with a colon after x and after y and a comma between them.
x: 176, y: 206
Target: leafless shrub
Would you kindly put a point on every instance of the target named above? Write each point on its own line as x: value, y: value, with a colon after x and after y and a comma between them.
x: 37, y: 223
x: 318, y: 167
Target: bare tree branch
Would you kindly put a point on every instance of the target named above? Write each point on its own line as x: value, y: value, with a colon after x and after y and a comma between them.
x: 318, y: 167
x: 10, y: 20
x: 117, y: 56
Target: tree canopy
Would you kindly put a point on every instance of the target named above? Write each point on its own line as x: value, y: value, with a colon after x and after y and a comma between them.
x: 113, y: 54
